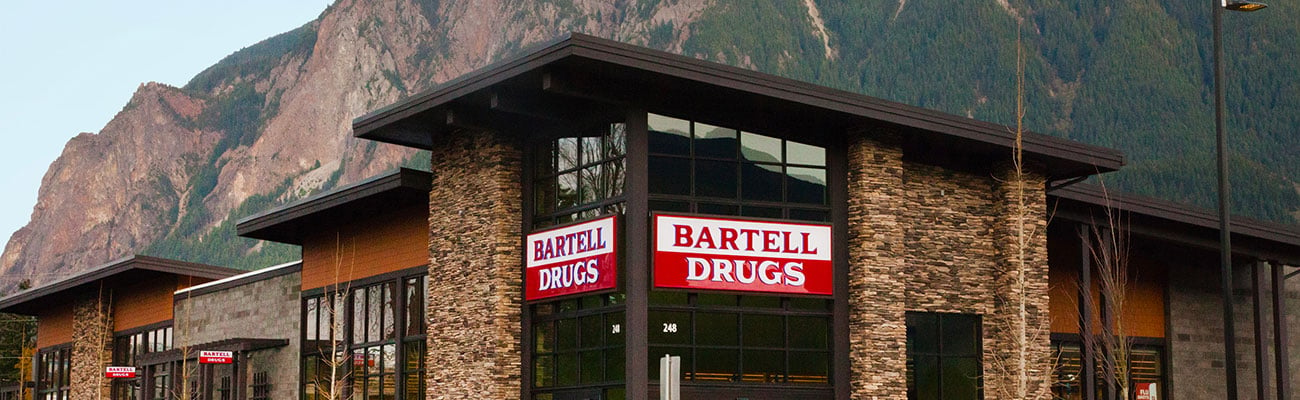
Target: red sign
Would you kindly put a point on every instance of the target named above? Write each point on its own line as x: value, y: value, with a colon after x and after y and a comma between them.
x: 742, y: 255
x: 119, y: 372
x: 1148, y: 391
x: 572, y: 259
x: 216, y: 357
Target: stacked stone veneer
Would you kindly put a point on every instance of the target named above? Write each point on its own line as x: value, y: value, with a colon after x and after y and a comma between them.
x: 264, y: 309
x: 931, y: 239
x: 474, y: 270
x: 92, y: 345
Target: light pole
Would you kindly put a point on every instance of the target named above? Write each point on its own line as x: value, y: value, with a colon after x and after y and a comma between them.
x: 1225, y: 240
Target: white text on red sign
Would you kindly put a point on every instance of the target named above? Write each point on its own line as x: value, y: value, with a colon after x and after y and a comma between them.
x: 119, y: 372
x: 742, y: 255
x: 573, y: 259
x: 216, y: 357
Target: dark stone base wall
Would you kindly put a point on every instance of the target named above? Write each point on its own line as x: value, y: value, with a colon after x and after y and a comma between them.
x: 1196, y: 364
x: 92, y: 346
x: 931, y: 239
x: 475, y: 211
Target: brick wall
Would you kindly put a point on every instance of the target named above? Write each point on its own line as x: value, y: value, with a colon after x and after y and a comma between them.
x: 1196, y: 363
x: 266, y: 309
x: 931, y: 239
x: 474, y: 268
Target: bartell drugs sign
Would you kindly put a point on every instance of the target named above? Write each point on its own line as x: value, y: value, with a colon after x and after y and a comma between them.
x: 742, y: 255
x: 119, y: 372
x: 572, y: 259
x: 216, y: 357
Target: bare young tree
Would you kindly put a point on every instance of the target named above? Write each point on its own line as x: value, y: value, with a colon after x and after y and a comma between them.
x: 333, y: 385
x: 1110, y: 256
x: 186, y: 389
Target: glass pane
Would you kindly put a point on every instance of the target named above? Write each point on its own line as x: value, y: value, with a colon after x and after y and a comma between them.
x: 922, y: 333
x: 568, y: 305
x: 960, y: 378
x: 414, y: 307
x: 761, y: 212
x: 714, y: 141
x: 717, y: 329
x: 613, y: 178
x: 711, y: 299
x: 810, y: 215
x: 566, y: 153
x: 593, y: 330
x: 670, y: 327
x: 390, y: 330
x: 764, y: 331
x: 567, y: 193
x: 360, y: 362
x: 923, y: 378
x: 616, y: 141
x: 806, y: 185
x: 567, y: 334
x: 760, y: 301
x: 755, y: 147
x: 544, y: 196
x: 590, y: 302
x: 670, y: 175
x: 593, y: 364
x: 388, y: 354
x: 312, y: 316
x: 799, y: 153
x: 566, y: 369
x: 414, y: 355
x: 810, y: 332
x: 592, y: 186
x: 657, y: 353
x: 373, y: 314
x: 359, y: 316
x: 669, y: 135
x: 715, y: 178
x: 543, y: 371
x: 809, y: 367
x: 718, y: 209
x: 614, y: 327
x: 544, y: 159
x: 372, y: 388
x: 614, y: 365
x: 763, y: 366
x: 412, y: 387
x: 670, y: 206
x: 960, y: 334
x: 616, y: 394
x: 805, y: 303
x: 762, y: 182
x: 591, y: 149
x: 660, y: 297
x: 716, y: 364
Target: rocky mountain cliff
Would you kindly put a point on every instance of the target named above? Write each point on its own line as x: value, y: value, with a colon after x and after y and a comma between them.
x: 269, y: 124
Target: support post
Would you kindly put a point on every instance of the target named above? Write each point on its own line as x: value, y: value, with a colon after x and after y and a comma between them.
x: 1280, y: 334
x: 1088, y: 353
x: 1260, y: 279
x: 1225, y: 232
x: 638, y: 242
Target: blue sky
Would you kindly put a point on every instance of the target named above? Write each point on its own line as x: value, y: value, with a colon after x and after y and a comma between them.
x: 68, y: 66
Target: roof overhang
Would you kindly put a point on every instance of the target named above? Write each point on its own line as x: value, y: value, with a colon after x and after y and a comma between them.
x: 579, y: 75
x: 1173, y: 222
x: 293, y: 222
x: 122, y: 271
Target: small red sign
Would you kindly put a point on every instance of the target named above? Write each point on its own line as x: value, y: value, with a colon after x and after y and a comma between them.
x: 1148, y: 391
x: 216, y: 357
x: 573, y: 259
x: 742, y: 255
x: 119, y: 372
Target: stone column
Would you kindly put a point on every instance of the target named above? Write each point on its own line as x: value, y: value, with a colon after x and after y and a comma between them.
x: 1020, y: 238
x: 92, y: 345
x: 475, y: 262
x: 877, y: 254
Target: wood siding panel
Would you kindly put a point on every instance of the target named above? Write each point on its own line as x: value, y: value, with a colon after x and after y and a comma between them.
x: 143, y: 303
x: 54, y: 326
x: 1144, y: 308
x: 389, y: 242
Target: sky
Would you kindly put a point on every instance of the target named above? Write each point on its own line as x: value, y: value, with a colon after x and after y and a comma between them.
x: 67, y: 67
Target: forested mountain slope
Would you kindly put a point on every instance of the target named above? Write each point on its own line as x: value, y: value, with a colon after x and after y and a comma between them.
x: 270, y: 124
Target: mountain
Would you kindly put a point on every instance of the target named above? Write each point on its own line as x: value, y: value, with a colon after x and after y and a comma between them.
x: 269, y: 124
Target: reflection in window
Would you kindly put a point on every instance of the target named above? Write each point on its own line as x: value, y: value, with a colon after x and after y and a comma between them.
x: 943, y: 356
x: 1146, y: 365
x: 578, y: 343
x: 380, y: 356
x: 752, y: 174
x: 581, y: 176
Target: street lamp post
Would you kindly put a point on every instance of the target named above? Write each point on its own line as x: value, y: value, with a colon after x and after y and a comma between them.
x: 1225, y: 239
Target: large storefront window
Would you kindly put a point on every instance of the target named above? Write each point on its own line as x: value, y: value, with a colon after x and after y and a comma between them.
x: 54, y: 373
x: 128, y: 347
x: 943, y: 356
x: 370, y: 343
x: 578, y: 344
x: 581, y: 176
x: 1145, y: 368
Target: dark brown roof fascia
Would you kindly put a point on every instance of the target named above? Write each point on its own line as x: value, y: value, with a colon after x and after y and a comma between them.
x: 141, y: 262
x: 260, y: 226
x: 370, y: 125
x: 1279, y: 235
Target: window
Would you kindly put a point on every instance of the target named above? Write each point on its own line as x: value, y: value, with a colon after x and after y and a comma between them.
x: 729, y: 338
x: 1146, y: 365
x: 127, y: 348
x: 372, y: 340
x: 54, y: 380
x: 580, y: 176
x: 943, y: 356
x: 261, y: 386
x: 696, y: 167
x: 579, y: 343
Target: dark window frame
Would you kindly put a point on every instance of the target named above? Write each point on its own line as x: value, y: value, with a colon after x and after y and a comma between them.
x: 1153, y: 344
x: 55, y: 367
x: 613, y: 142
x: 943, y: 354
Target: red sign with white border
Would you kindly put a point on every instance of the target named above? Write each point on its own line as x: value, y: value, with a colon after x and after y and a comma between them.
x: 706, y: 253
x: 216, y: 357
x: 572, y: 259
x: 119, y: 372
x: 1148, y: 391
